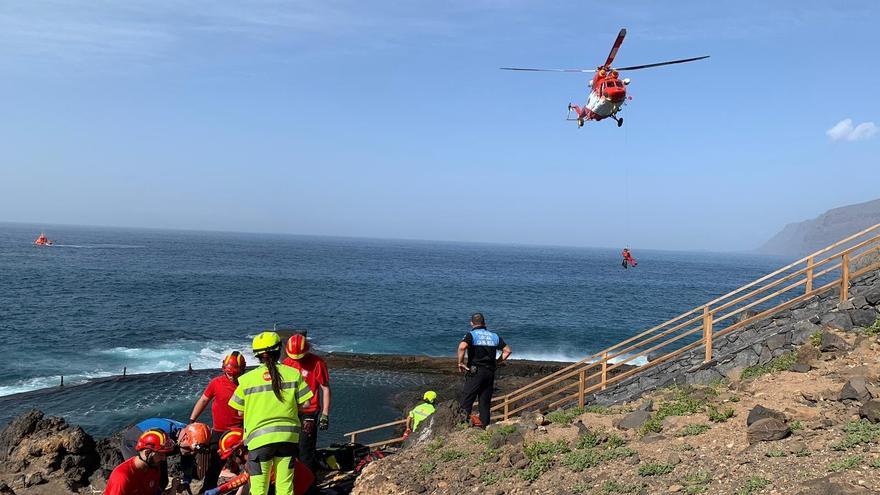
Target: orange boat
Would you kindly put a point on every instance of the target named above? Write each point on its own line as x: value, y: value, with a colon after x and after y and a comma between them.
x: 42, y: 240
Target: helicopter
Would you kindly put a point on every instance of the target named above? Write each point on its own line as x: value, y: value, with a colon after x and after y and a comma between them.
x: 607, y: 90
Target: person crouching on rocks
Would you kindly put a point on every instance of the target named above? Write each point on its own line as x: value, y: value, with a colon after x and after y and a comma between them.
x: 220, y: 390
x: 234, y: 453
x: 192, y: 444
x: 141, y: 474
x: 420, y: 413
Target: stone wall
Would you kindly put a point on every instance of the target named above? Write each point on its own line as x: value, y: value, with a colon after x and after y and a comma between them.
x: 759, y: 342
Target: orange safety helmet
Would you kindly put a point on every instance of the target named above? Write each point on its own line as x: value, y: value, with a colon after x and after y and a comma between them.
x: 234, y: 364
x: 195, y: 436
x: 156, y: 441
x: 297, y: 346
x: 231, y: 441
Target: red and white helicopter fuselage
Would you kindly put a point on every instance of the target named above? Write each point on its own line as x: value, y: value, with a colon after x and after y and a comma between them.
x: 607, y: 90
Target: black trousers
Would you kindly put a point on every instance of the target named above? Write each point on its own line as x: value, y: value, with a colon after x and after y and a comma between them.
x: 479, y: 384
x: 308, y: 439
x: 215, y: 463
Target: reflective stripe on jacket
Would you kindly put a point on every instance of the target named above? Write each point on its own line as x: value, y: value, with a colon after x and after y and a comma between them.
x: 266, y: 419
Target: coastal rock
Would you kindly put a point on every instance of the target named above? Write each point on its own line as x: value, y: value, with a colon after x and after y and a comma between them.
x: 800, y: 368
x: 48, y: 446
x: 760, y: 412
x: 870, y: 410
x: 832, y: 343
x: 767, y: 430
x: 873, y: 297
x: 633, y: 420
x: 854, y: 389
x: 838, y: 320
x: 802, y: 331
x: 863, y: 317
x: 829, y: 485
x: 6, y: 489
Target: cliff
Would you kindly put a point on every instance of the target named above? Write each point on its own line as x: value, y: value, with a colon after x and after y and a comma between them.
x: 802, y: 238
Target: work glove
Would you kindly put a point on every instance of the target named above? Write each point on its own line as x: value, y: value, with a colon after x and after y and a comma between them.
x: 212, y: 491
x: 324, y: 422
x: 407, y: 433
x: 308, y: 426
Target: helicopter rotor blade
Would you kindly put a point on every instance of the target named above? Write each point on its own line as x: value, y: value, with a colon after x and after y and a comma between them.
x: 635, y: 67
x: 617, y: 43
x: 547, y: 70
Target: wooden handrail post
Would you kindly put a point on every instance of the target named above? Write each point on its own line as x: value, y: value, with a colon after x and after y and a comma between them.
x: 354, y: 437
x: 604, y: 370
x: 506, y: 407
x: 809, y: 286
x: 582, y: 385
x: 844, y: 277
x: 707, y: 332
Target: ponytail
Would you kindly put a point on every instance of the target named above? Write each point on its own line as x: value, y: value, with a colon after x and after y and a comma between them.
x: 270, y: 359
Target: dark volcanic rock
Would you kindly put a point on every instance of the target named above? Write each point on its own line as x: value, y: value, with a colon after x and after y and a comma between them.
x: 829, y: 485
x: 633, y: 420
x: 873, y: 297
x: 33, y: 444
x: 768, y: 430
x: 863, y: 317
x: 800, y: 368
x: 855, y: 389
x: 839, y: 320
x: 870, y: 410
x: 109, y: 454
x: 760, y: 412
x: 832, y: 343
x: 6, y: 489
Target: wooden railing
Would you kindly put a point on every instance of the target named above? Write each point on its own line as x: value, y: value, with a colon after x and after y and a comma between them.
x: 820, y: 272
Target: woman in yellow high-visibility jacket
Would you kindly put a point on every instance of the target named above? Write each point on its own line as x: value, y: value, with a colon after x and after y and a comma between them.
x: 269, y: 398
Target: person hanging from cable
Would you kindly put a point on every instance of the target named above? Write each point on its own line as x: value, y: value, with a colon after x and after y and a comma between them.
x: 628, y: 259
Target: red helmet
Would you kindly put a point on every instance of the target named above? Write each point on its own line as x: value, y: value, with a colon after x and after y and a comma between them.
x: 234, y: 364
x: 297, y: 346
x: 195, y: 436
x: 156, y: 441
x: 231, y: 441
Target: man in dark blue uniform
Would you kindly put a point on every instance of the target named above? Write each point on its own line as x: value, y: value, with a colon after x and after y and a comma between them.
x: 482, y: 348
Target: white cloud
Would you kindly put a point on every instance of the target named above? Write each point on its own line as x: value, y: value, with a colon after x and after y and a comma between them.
x: 844, y: 131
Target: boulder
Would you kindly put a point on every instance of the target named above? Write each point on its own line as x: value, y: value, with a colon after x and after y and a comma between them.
x: 807, y: 354
x: 870, y: 410
x: 859, y: 302
x: 633, y: 420
x: 873, y: 297
x: 839, y: 320
x: 777, y: 341
x: 800, y: 368
x: 831, y: 485
x: 6, y: 489
x: 854, y: 389
x: 832, y: 343
x: 760, y: 412
x: 863, y: 317
x: 767, y: 430
x: 45, y: 448
x: 648, y: 405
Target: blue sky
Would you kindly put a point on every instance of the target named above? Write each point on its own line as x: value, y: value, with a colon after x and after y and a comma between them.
x: 391, y: 119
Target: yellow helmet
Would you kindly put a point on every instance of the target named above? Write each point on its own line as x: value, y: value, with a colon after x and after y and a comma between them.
x: 266, y: 342
x: 430, y: 396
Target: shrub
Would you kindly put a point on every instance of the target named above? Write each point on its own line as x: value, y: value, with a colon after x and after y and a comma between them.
x: 539, y: 465
x: 693, y: 430
x: 699, y: 477
x: 427, y: 468
x: 565, y: 416
x: 717, y: 416
x: 435, y: 445
x: 612, y: 487
x: 682, y: 404
x: 857, y: 433
x: 780, y: 363
x: 816, y: 339
x: 846, y: 463
x: 597, y: 409
x: 873, y: 329
x: 655, y: 469
x: 536, y: 449
x: 753, y: 485
x: 449, y: 455
x: 775, y: 453
x: 796, y: 425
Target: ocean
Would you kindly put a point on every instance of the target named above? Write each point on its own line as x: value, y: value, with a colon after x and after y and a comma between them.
x: 104, y: 299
